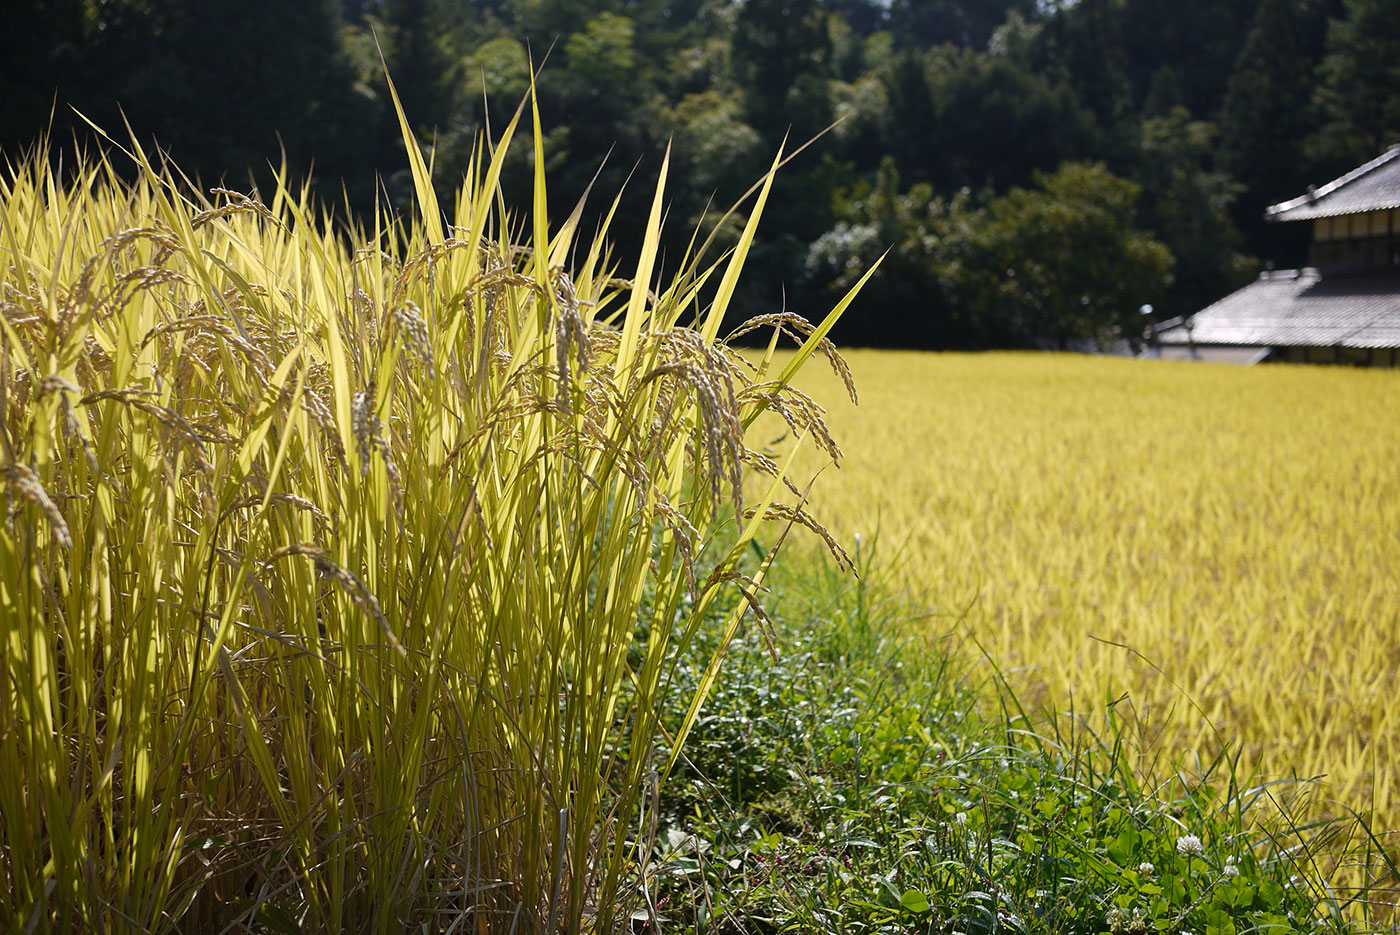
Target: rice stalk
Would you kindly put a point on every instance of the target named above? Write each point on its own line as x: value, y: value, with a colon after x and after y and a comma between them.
x: 374, y: 553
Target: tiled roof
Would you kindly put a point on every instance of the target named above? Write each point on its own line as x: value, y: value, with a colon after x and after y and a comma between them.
x: 1371, y: 187
x: 1302, y: 309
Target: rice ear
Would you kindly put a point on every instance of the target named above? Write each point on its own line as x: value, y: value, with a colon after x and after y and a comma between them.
x: 24, y: 483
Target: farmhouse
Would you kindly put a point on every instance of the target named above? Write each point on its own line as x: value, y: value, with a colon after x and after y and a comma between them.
x: 1343, y: 308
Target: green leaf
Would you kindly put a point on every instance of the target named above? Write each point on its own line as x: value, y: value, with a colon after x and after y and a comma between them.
x: 1270, y: 894
x: 1243, y: 895
x: 1122, y: 849
x: 914, y: 901
x: 1219, y: 923
x: 278, y: 920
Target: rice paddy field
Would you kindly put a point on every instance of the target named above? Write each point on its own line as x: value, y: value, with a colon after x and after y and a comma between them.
x: 1236, y: 531
x: 373, y: 580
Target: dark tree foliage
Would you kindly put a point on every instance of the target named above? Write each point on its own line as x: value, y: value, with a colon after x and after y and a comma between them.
x: 1061, y: 264
x: 864, y: 16
x: 1058, y: 265
x: 1085, y: 44
x: 1186, y: 203
x: 962, y: 128
x: 977, y: 97
x: 909, y: 303
x: 1360, y: 91
x: 425, y: 73
x: 1196, y: 41
x: 1267, y: 118
x: 40, y: 48
x: 924, y: 23
x: 781, y: 54
x: 909, y: 132
x: 224, y: 87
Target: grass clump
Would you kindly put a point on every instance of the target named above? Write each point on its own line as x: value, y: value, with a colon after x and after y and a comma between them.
x: 863, y: 784
x: 326, y: 550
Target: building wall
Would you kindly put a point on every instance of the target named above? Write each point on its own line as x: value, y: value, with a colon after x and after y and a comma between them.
x: 1349, y: 356
x: 1356, y: 241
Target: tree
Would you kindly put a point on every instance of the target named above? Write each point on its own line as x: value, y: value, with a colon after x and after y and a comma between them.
x: 1196, y: 41
x: 924, y: 23
x: 421, y: 64
x: 864, y: 16
x: 781, y: 54
x: 602, y: 54
x: 903, y: 304
x: 223, y: 86
x: 1055, y: 266
x: 544, y: 21
x: 1187, y: 202
x: 1360, y: 90
x: 910, y: 115
x: 39, y: 47
x: 716, y: 153
x: 982, y: 103
x: 1267, y: 117
x: 1058, y: 264
x: 1084, y: 41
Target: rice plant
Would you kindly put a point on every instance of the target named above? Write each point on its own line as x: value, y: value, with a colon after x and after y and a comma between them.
x: 1215, y: 546
x: 327, y: 550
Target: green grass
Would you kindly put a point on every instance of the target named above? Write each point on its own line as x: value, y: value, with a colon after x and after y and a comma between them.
x: 866, y: 782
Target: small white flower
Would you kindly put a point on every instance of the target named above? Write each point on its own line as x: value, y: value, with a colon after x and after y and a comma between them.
x: 1146, y: 869
x: 960, y: 818
x: 1230, y: 870
x: 1188, y: 845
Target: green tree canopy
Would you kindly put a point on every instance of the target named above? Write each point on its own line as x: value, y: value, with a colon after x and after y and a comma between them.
x: 40, y: 43
x: 1267, y: 117
x: 1187, y: 204
x: 782, y: 56
x: 1059, y: 263
x: 1360, y: 93
x: 223, y: 87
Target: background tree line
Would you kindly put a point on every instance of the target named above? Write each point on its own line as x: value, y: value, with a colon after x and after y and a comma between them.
x: 1038, y: 170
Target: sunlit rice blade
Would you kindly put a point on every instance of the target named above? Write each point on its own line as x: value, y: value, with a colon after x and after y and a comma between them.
x: 343, y: 571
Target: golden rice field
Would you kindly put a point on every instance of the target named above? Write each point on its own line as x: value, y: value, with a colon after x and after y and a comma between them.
x: 1240, y: 528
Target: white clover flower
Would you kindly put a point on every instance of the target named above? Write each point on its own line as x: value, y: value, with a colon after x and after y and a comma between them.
x: 1121, y: 921
x: 1146, y: 869
x: 1188, y: 845
x: 960, y: 818
x: 1230, y: 870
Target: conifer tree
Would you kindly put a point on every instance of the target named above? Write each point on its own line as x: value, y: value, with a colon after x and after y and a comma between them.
x: 781, y: 56
x: 1267, y: 117
x: 420, y: 62
x: 1360, y: 89
x: 225, y: 85
x: 39, y: 44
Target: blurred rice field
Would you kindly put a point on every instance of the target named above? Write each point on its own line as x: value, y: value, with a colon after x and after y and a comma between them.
x: 1239, y: 528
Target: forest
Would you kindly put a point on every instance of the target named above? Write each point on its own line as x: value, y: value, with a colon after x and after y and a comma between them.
x: 1042, y: 174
